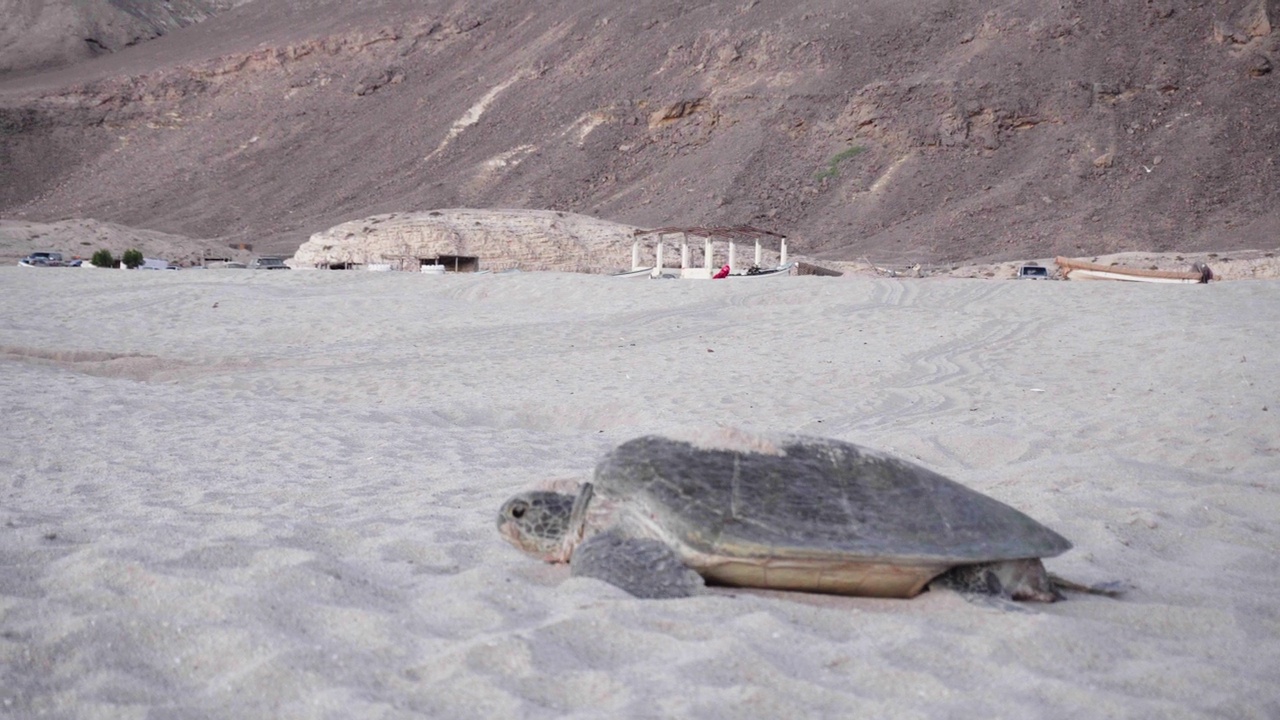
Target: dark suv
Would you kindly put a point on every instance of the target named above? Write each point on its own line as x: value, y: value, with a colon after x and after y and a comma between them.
x: 269, y: 263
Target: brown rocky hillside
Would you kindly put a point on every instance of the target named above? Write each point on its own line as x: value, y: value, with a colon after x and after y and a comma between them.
x: 40, y: 35
x: 931, y: 131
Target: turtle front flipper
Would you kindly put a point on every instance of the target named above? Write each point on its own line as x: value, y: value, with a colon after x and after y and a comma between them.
x: 643, y: 567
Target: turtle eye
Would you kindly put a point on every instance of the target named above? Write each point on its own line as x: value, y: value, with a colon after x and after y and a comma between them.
x: 517, y: 511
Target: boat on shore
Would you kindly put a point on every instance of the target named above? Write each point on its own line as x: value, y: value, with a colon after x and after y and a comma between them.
x: 1082, y: 270
x: 756, y: 272
x: 636, y: 272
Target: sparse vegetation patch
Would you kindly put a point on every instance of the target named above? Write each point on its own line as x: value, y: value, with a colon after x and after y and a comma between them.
x: 833, y: 167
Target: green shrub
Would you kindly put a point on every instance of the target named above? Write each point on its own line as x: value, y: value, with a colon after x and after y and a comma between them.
x: 102, y: 259
x: 132, y: 258
x: 833, y: 169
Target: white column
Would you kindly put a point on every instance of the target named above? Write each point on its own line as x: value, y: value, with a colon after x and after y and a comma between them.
x: 731, y: 261
x: 657, y: 265
x: 782, y: 254
x: 635, y: 255
x: 706, y: 256
x: 684, y: 254
x: 758, y: 257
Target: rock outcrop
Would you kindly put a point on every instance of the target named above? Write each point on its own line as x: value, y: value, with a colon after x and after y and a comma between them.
x: 499, y: 239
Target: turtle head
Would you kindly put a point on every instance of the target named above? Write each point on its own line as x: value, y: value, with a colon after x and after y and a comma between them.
x: 547, y: 525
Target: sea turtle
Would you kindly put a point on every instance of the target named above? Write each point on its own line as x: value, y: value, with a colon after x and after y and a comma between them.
x: 790, y: 513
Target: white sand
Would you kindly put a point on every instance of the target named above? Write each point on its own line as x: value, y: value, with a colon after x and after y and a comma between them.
x: 231, y: 494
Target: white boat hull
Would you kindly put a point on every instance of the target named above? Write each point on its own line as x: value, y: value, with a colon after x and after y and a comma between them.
x: 638, y: 272
x: 1104, y: 275
x: 1082, y: 270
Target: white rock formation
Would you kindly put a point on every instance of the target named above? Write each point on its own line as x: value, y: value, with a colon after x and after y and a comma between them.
x: 500, y: 239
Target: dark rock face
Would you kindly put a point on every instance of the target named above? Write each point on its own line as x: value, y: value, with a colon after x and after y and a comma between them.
x: 930, y: 132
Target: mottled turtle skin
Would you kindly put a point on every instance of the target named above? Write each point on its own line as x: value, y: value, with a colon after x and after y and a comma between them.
x: 791, y: 513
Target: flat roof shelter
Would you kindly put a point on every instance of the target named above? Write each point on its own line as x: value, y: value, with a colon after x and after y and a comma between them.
x: 454, y: 263
x: 709, y: 234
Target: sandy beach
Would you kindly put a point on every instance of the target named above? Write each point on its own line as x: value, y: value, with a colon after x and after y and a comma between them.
x: 237, y: 494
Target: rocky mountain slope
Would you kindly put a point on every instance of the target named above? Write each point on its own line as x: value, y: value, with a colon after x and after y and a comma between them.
x: 935, y: 131
x: 45, y: 34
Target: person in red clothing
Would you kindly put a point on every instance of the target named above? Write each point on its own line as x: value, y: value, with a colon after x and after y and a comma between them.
x: 724, y: 272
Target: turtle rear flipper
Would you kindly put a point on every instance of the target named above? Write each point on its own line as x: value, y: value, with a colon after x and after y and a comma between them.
x: 1012, y: 579
x: 1111, y: 589
x: 643, y: 567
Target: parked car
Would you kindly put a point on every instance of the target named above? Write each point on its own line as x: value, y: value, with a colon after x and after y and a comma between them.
x: 1033, y: 271
x: 269, y: 263
x: 42, y: 259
